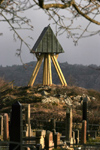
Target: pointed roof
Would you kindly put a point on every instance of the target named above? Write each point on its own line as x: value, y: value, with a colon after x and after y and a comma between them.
x: 47, y: 42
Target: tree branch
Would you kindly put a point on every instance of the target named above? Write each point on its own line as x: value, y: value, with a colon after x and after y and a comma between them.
x: 41, y: 2
x: 62, y: 6
x: 16, y: 32
x: 84, y: 15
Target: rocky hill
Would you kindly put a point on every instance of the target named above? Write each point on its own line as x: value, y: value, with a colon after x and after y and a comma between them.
x: 51, y: 101
x: 83, y: 76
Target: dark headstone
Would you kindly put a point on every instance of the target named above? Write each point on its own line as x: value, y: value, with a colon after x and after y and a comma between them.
x: 16, y: 126
x: 68, y: 124
x: 77, y: 136
x: 53, y: 131
x: 56, y: 140
x: 39, y: 147
x: 53, y: 124
x: 85, y: 109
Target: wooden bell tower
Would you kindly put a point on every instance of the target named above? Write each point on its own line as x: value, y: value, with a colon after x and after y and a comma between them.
x: 47, y: 47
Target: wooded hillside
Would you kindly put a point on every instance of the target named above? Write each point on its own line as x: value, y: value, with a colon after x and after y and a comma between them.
x: 83, y: 76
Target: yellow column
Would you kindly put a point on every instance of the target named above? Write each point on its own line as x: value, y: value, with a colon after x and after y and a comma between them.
x: 35, y: 72
x: 59, y: 72
x: 44, y: 66
x: 47, y: 76
x: 56, y: 56
x: 45, y: 70
x: 56, y: 67
x: 50, y: 72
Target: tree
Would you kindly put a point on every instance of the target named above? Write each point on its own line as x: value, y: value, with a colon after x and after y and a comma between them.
x: 88, y: 9
x: 65, y: 21
x: 9, y: 12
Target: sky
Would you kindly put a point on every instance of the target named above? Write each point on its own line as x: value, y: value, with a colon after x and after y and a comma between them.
x: 86, y: 52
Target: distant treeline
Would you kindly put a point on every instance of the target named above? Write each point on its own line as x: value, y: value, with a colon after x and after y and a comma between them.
x: 79, y: 75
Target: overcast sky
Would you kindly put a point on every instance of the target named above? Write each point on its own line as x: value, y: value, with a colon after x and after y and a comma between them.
x: 86, y: 52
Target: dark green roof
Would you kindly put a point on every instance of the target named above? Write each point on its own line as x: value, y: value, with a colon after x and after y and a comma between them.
x: 47, y: 43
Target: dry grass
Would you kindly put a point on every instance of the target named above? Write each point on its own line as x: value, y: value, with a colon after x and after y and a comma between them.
x: 33, y: 96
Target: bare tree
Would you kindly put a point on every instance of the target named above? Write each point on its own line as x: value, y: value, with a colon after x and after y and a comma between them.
x: 74, y: 9
x: 9, y: 12
x: 65, y: 14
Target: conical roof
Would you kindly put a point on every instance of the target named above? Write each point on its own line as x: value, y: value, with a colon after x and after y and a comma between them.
x: 47, y: 42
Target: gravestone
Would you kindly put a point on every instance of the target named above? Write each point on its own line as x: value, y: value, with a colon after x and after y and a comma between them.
x: 27, y: 114
x: 27, y: 120
x: 6, y: 127
x: 68, y: 125
x: 53, y: 131
x: 28, y: 132
x: 53, y: 124
x: 84, y: 132
x: 85, y: 108
x: 1, y: 126
x: 16, y: 128
x: 40, y: 137
x: 49, y: 144
x: 57, y: 140
x: 38, y: 147
x: 77, y: 136
x: 73, y: 136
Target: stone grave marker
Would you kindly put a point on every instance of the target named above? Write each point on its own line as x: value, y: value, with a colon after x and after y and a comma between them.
x: 77, y: 136
x: 27, y: 120
x: 27, y: 114
x: 38, y: 147
x: 6, y: 127
x: 73, y: 136
x: 16, y: 128
x: 49, y: 144
x: 85, y: 108
x: 68, y: 125
x: 53, y: 124
x: 84, y: 132
x: 28, y: 132
x: 1, y: 126
x: 57, y: 140
x: 40, y: 137
x: 53, y: 131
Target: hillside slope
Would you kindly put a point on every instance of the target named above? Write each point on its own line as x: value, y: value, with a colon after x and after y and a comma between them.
x: 51, y: 101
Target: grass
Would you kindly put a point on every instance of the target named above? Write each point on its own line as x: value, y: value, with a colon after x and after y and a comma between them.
x: 93, y: 141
